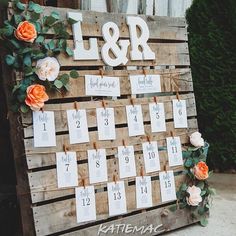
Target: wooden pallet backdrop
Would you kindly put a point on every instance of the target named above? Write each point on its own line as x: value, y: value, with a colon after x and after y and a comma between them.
x: 47, y: 210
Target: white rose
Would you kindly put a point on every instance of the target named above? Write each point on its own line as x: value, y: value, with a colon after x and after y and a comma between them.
x: 196, y: 139
x: 194, y: 196
x: 47, y: 68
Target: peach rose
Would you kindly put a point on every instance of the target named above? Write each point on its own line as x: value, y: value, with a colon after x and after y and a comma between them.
x: 47, y: 68
x: 26, y: 32
x: 36, y: 96
x: 194, y: 197
x: 196, y: 139
x: 201, y: 170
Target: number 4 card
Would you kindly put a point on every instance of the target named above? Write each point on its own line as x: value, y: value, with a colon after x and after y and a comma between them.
x: 67, y: 175
x: 85, y: 204
x: 44, y: 129
x: 167, y: 183
x: 116, y: 198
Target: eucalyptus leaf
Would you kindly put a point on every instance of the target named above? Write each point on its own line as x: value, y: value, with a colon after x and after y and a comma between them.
x: 20, y: 6
x: 64, y: 79
x: 37, y: 8
x: 203, y: 221
x: 58, y: 84
x: 55, y: 15
x: 24, y: 108
x: 15, y: 43
x: 201, y: 210
x: 69, y: 52
x: 74, y: 74
x: 27, y: 60
x: 10, y: 60
x: 39, y: 39
x: 51, y: 45
x: 18, y: 19
x: 188, y: 163
x: 71, y: 21
x: 67, y: 87
x: 203, y: 192
x: 201, y: 184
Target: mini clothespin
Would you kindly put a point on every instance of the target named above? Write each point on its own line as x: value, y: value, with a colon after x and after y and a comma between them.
x: 42, y: 109
x: 132, y: 101
x: 165, y: 167
x: 76, y: 105
x: 114, y: 178
x: 172, y: 133
x: 83, y: 182
x: 124, y: 143
x: 144, y: 72
x: 177, y: 95
x: 148, y: 139
x: 142, y: 172
x: 95, y: 146
x: 103, y: 104
x: 101, y: 72
x: 65, y: 148
x: 155, y: 99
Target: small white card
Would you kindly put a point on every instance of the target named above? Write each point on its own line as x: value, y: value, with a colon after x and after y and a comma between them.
x: 151, y: 156
x: 116, y: 198
x: 157, y: 114
x: 174, y: 150
x: 145, y: 84
x: 44, y: 129
x: 67, y: 175
x: 85, y: 204
x: 143, y: 192
x: 180, y: 113
x: 97, y: 164
x: 167, y: 183
x: 78, y: 127
x: 127, y: 167
x: 102, y: 86
x: 135, y: 120
x: 106, y: 123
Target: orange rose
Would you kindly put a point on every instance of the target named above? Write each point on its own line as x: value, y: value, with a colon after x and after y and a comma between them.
x: 201, y: 170
x: 26, y: 32
x: 36, y: 96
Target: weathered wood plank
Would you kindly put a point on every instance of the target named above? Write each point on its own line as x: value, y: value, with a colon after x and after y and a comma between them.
x: 43, y: 184
x: 120, y: 113
x: 61, y: 215
x: 121, y: 133
x: 175, y: 54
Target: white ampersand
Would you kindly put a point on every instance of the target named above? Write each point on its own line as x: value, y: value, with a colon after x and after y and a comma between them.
x: 120, y: 51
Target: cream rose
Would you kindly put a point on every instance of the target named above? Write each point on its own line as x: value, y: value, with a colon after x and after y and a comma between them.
x: 194, y: 196
x: 196, y: 139
x: 47, y: 68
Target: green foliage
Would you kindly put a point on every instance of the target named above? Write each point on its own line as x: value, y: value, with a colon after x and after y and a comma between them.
x: 212, y: 37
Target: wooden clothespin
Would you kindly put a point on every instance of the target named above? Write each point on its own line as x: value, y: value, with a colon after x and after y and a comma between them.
x: 65, y: 148
x: 141, y: 171
x: 144, y: 72
x: 95, y: 146
x: 42, y: 109
x: 177, y: 95
x: 155, y: 99
x: 83, y: 182
x: 114, y: 178
x: 76, y: 105
x: 172, y: 133
x: 165, y: 167
x: 132, y: 101
x: 148, y: 139
x: 101, y: 72
x: 124, y: 143
x: 103, y: 104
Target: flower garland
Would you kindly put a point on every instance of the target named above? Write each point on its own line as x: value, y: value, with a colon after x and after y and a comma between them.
x: 34, y: 56
x: 196, y: 194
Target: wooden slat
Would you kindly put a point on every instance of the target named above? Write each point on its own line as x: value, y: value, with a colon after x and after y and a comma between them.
x: 175, y: 54
x: 120, y: 112
x: 43, y: 184
x: 58, y: 216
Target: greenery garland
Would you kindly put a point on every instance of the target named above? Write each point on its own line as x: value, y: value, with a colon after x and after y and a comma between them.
x: 34, y: 56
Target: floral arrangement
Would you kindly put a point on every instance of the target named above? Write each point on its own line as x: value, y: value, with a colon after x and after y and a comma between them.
x: 35, y: 56
x: 195, y: 193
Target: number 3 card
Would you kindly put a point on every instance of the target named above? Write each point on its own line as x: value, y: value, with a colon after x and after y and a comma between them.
x: 44, y: 129
x: 67, y: 175
x: 167, y: 183
x: 85, y: 204
x: 116, y: 198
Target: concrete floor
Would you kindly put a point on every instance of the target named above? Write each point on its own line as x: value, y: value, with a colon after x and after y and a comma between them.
x: 222, y: 221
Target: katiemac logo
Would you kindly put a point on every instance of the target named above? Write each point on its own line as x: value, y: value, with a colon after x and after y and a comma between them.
x: 117, y: 229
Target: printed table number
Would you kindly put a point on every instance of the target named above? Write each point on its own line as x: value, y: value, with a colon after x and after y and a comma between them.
x: 180, y: 113
x: 143, y: 191
x: 106, y: 123
x: 151, y: 156
x: 78, y: 127
x: 157, y: 114
x: 167, y: 184
x: 126, y: 157
x: 44, y: 129
x: 135, y: 120
x: 116, y: 198
x: 174, y: 150
x: 97, y: 164
x: 85, y: 204
x: 67, y: 175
